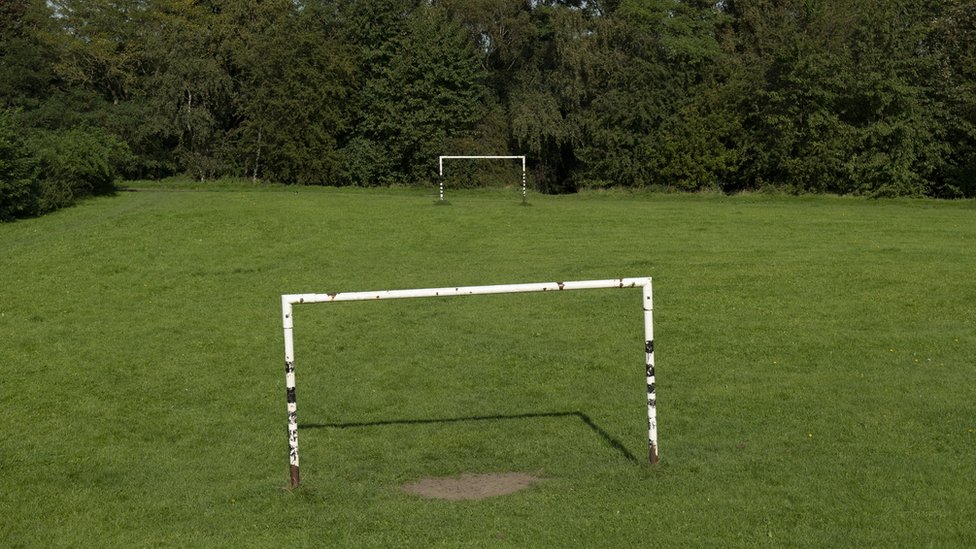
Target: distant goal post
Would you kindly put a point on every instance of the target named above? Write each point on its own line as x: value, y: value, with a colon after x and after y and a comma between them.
x: 440, y: 168
x: 288, y: 302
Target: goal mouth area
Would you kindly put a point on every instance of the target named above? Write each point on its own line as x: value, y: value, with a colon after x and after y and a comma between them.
x: 442, y: 158
x: 288, y: 301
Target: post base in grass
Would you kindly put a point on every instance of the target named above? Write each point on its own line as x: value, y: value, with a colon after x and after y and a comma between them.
x: 295, y: 479
x: 441, y: 203
x: 652, y: 456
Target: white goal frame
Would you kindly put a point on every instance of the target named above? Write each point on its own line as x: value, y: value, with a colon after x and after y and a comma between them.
x: 290, y: 300
x: 440, y: 168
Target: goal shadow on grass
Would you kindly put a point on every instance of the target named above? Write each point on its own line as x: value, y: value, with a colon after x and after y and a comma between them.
x: 602, y: 433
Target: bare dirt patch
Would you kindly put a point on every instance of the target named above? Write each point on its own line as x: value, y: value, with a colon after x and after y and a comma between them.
x: 470, y: 486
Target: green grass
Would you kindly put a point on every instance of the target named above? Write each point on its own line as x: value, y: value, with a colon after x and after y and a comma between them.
x: 814, y: 364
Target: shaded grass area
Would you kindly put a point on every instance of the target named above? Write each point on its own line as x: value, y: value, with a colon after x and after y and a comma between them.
x: 814, y: 361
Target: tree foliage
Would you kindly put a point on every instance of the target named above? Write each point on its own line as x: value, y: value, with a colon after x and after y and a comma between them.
x: 874, y: 97
x: 17, y: 188
x: 424, y: 88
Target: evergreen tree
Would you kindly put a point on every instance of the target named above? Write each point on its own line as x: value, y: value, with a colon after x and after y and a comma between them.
x: 18, y: 192
x: 425, y: 88
x: 660, y: 113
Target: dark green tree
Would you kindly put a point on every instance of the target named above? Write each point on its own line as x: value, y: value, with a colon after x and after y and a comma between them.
x: 549, y: 94
x: 18, y: 191
x: 26, y: 61
x: 293, y: 83
x: 952, y: 41
x: 660, y: 113
x: 839, y: 97
x: 187, y: 89
x: 425, y: 88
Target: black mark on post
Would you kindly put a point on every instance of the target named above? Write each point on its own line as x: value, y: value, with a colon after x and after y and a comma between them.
x: 291, y: 395
x: 561, y: 285
x: 332, y: 296
x: 649, y: 346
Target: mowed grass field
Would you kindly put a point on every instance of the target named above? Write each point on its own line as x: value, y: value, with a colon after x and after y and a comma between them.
x: 816, y: 371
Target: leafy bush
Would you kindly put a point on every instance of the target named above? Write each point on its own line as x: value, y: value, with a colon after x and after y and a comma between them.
x: 51, y: 169
x: 17, y: 189
x: 70, y: 164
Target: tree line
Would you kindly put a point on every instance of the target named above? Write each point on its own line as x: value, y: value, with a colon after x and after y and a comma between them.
x: 867, y: 97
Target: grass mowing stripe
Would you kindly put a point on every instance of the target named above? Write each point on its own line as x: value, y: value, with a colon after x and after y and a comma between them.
x: 814, y: 370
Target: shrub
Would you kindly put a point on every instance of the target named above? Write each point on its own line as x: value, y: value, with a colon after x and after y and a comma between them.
x: 18, y: 192
x: 51, y: 169
x: 70, y: 164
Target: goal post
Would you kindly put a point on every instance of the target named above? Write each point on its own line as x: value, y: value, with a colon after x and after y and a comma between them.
x: 440, y: 168
x: 288, y: 302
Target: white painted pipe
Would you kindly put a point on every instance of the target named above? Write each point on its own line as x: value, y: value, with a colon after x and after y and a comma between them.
x: 288, y: 322
x: 652, y: 450
x: 468, y: 290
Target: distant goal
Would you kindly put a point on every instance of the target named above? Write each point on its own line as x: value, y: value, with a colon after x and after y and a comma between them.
x: 287, y: 313
x: 440, y: 168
